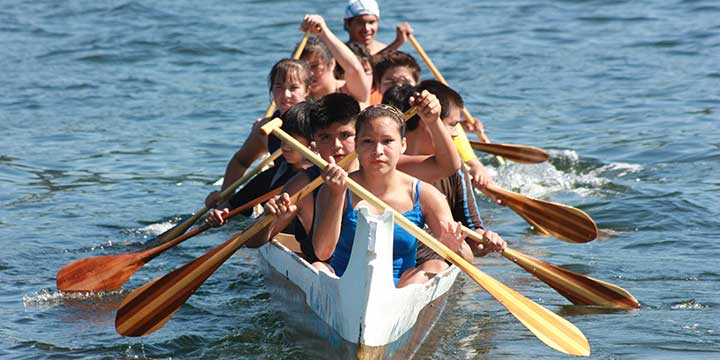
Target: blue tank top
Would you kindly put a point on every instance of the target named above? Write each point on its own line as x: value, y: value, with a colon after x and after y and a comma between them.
x: 404, y: 244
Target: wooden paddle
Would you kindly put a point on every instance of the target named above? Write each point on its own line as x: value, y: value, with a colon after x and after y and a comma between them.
x: 579, y: 289
x: 149, y: 307
x: 549, y: 218
x: 179, y: 229
x: 518, y: 153
x: 469, y: 118
x: 296, y: 55
x: 550, y: 328
x: 107, y: 273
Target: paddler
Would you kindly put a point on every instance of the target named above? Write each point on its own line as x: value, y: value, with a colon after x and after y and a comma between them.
x: 322, y: 53
x: 361, y: 21
x: 296, y: 122
x: 458, y: 187
x: 381, y: 141
x: 334, y: 138
x: 397, y: 68
x: 289, y: 83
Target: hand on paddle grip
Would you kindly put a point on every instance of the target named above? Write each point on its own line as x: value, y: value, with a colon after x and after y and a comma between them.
x: 402, y: 32
x: 452, y: 235
x: 428, y: 106
x: 473, y: 127
x: 314, y: 24
x: 490, y: 242
x: 216, y: 218
x: 281, y: 207
x: 334, y: 177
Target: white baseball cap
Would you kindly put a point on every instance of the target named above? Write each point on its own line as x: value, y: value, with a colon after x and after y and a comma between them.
x: 362, y: 7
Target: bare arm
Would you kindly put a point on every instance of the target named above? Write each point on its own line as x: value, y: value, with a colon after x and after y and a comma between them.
x: 446, y: 160
x: 359, y: 86
x: 254, y: 146
x: 329, y: 220
x: 401, y: 35
x: 439, y: 218
x: 284, y: 211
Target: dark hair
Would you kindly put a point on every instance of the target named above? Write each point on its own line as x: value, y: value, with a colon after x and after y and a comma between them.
x: 394, y: 58
x: 447, y: 96
x: 296, y: 121
x: 334, y: 108
x: 380, y: 110
x: 284, y: 67
x: 399, y: 97
x: 361, y: 52
x: 316, y: 47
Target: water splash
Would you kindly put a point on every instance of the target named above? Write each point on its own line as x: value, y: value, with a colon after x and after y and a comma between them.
x: 689, y: 305
x: 156, y: 228
x: 565, y: 173
x: 48, y: 297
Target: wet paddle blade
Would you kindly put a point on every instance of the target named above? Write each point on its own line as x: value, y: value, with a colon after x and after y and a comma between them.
x: 100, y: 273
x: 579, y: 289
x: 518, y: 153
x: 550, y: 328
x: 563, y: 222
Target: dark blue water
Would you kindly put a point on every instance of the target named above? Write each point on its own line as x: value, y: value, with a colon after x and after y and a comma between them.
x: 116, y: 118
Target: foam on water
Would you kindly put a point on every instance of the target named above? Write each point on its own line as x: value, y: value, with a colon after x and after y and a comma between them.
x: 689, y: 305
x: 48, y: 297
x: 157, y: 228
x: 565, y: 173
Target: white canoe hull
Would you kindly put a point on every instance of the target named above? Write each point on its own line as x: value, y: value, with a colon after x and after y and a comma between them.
x: 363, y: 307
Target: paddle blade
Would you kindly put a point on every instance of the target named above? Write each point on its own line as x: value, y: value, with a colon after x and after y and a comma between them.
x: 100, y: 273
x: 550, y: 328
x: 518, y: 153
x: 563, y: 222
x: 579, y: 289
x: 149, y: 307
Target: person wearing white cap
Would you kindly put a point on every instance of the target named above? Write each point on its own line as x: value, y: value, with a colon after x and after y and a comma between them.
x: 361, y: 23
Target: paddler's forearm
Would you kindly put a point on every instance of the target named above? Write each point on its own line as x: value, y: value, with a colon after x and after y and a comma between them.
x: 446, y: 155
x: 235, y: 170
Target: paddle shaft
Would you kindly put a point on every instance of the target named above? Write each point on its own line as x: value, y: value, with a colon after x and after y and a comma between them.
x: 177, y: 230
x: 579, y: 289
x: 466, y: 114
x: 550, y: 328
x: 151, y: 306
x: 296, y: 55
x: 110, y: 272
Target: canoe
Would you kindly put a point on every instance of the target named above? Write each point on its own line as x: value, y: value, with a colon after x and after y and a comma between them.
x: 360, y: 315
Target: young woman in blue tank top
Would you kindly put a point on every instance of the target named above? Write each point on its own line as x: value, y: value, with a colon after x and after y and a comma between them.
x: 380, y: 142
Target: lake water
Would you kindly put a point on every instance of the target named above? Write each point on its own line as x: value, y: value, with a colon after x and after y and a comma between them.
x: 117, y: 117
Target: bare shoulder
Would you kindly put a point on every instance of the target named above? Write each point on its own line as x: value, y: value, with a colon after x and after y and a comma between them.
x: 429, y: 194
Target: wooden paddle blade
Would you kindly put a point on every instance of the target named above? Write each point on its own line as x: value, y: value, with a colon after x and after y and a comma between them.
x: 151, y: 306
x: 579, y: 289
x: 550, y: 328
x: 518, y: 153
x: 100, y: 273
x: 563, y: 222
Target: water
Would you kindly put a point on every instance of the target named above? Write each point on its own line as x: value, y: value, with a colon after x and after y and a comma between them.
x: 117, y: 117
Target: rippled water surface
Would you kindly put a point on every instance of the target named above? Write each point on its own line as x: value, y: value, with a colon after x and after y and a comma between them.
x: 117, y: 117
